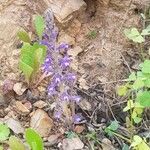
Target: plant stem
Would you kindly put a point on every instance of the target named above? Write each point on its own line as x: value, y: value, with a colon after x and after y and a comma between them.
x: 122, y: 137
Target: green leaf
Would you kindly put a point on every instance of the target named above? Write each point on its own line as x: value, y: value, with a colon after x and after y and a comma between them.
x: 146, y: 66
x: 27, y: 70
x: 125, y: 147
x: 139, y: 144
x: 4, y: 132
x: 112, y: 127
x: 134, y: 35
x: 132, y: 77
x: 16, y: 144
x: 146, y: 31
x: 122, y: 90
x: 138, y: 84
x: 147, y: 83
x: 39, y: 25
x: 1, y: 147
x: 136, y: 141
x: 23, y: 36
x: 144, y: 98
x: 34, y: 140
x: 32, y: 56
x: 129, y: 106
x: 137, y: 119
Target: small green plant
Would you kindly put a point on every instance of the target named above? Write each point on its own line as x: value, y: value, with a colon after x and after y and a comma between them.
x: 138, y: 85
x: 32, y: 54
x: 33, y: 139
x: 134, y: 35
x: 92, y: 34
x: 136, y: 143
x: 70, y: 134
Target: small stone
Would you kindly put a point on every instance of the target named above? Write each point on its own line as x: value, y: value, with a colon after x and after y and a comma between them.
x: 85, y: 105
x: 14, y: 125
x: 40, y: 104
x: 41, y: 122
x: 72, y: 144
x: 53, y: 139
x: 75, y: 51
x: 79, y: 129
x: 74, y: 28
x: 83, y: 84
x: 19, y: 88
x: 21, y: 108
x: 107, y: 145
x: 64, y: 11
x: 28, y: 105
x: 65, y: 38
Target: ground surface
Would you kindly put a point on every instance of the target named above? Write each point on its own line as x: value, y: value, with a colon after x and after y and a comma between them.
x: 105, y: 57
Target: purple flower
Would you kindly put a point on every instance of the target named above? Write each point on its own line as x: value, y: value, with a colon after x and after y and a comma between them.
x: 51, y: 90
x: 76, y: 98
x: 57, y: 114
x: 65, y: 96
x: 63, y: 46
x: 70, y: 77
x: 77, y: 118
x: 48, y: 65
x: 57, y: 79
x: 65, y: 62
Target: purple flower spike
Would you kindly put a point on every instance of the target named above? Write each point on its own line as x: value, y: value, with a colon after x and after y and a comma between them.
x: 76, y: 98
x: 65, y: 62
x: 65, y: 97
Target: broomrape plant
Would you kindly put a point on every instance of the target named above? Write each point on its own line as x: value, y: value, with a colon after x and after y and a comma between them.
x: 55, y: 63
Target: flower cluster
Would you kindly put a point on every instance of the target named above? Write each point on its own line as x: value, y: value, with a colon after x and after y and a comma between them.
x: 57, y: 65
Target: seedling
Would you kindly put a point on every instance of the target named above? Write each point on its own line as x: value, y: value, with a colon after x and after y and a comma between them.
x: 32, y: 55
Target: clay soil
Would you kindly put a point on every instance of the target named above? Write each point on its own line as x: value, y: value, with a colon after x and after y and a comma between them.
x: 107, y: 57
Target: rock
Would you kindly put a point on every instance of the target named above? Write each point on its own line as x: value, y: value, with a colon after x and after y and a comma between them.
x: 40, y: 104
x: 21, y: 108
x: 104, y: 2
x: 64, y: 10
x: 72, y: 144
x: 41, y: 122
x: 85, y: 105
x: 83, y: 84
x: 107, y: 145
x: 75, y: 51
x: 53, y: 139
x: 74, y: 64
x: 14, y: 125
x: 19, y: 88
x: 74, y: 28
x: 65, y: 38
x: 79, y: 129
